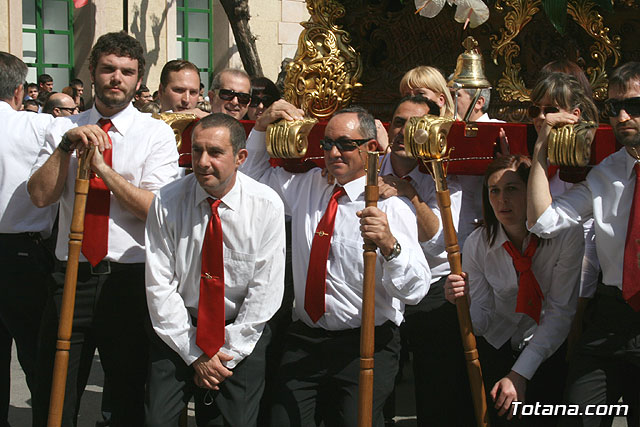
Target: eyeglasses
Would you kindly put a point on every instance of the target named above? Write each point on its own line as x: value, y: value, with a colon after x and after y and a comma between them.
x: 534, y: 110
x: 228, y: 95
x: 612, y: 107
x: 69, y: 109
x: 342, y: 144
x: 266, y: 101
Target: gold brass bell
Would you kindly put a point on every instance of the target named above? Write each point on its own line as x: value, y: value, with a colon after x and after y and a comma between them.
x: 469, y: 72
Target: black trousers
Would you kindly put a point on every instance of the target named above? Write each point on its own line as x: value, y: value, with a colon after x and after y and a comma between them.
x: 545, y: 386
x: 171, y: 386
x: 26, y: 265
x: 318, y: 376
x: 110, y: 315
x: 441, y: 383
x: 606, y: 364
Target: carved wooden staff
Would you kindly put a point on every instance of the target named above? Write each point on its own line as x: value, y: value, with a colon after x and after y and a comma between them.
x: 367, y: 330
x: 425, y: 138
x: 69, y: 292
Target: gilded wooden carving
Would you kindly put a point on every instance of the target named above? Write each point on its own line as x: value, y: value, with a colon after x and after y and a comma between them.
x: 326, y: 68
x: 511, y: 86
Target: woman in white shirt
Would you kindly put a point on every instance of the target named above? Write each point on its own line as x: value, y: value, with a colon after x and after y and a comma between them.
x: 523, y: 293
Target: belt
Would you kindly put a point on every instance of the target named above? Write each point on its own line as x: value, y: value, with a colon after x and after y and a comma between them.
x: 14, y: 237
x: 320, y: 332
x: 194, y: 321
x: 102, y: 268
x: 609, y: 291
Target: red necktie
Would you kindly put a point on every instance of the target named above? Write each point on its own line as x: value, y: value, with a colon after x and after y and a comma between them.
x: 210, y: 329
x: 317, y: 272
x: 529, y: 293
x: 96, y: 217
x: 631, y: 270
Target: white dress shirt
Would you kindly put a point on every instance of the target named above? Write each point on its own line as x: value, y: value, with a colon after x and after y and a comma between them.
x: 21, y: 136
x: 606, y: 196
x: 403, y: 280
x: 434, y: 248
x: 144, y: 153
x: 493, y: 291
x: 252, y: 217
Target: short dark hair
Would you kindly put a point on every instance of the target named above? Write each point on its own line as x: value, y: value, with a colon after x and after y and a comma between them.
x: 521, y: 164
x: 367, y: 124
x: 31, y: 102
x: 434, y: 109
x: 120, y: 44
x: 142, y: 89
x: 174, y: 66
x: 44, y: 78
x: 13, y: 73
x: 30, y: 85
x: 262, y: 85
x: 76, y: 82
x: 237, y: 135
x: 622, y: 76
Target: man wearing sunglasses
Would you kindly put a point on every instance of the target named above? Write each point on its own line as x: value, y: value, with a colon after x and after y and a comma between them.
x: 606, y: 364
x: 230, y: 93
x: 60, y: 105
x: 318, y: 375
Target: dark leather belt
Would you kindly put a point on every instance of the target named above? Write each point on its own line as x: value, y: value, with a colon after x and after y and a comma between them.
x: 14, y: 237
x: 103, y: 267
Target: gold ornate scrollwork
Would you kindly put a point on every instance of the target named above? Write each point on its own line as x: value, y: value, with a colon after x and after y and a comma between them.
x: 426, y: 137
x: 326, y: 69
x: 582, y: 11
x: 288, y: 139
x: 178, y: 122
x: 511, y: 86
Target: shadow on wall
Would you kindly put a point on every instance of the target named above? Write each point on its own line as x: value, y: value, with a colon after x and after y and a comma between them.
x: 139, y: 30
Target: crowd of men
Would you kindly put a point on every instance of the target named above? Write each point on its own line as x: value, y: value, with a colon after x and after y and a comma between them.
x: 240, y: 285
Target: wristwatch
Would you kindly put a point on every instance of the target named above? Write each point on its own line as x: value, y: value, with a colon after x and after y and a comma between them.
x: 394, y: 252
x: 65, y: 144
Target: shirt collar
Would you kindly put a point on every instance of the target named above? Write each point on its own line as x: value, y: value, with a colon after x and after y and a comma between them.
x: 630, y: 162
x: 231, y: 199
x: 387, y: 169
x: 355, y: 188
x: 4, y: 105
x: 501, y: 237
x: 122, y: 120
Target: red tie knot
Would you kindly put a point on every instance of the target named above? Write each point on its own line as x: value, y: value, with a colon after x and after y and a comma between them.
x: 214, y: 203
x: 338, y: 192
x: 522, y: 264
x: 105, y: 124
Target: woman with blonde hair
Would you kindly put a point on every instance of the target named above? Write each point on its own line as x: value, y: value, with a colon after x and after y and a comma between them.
x: 428, y: 82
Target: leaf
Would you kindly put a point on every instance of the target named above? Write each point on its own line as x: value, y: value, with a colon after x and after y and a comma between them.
x: 556, y: 11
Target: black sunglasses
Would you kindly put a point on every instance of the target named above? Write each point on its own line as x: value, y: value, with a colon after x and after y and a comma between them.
x: 342, y: 144
x: 228, y: 95
x: 69, y: 109
x: 266, y: 101
x: 612, y: 107
x: 534, y: 110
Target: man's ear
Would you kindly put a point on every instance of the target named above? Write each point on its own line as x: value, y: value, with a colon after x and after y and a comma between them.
x: 480, y: 103
x: 372, y: 145
x: 577, y: 112
x: 241, y: 156
x: 18, y: 94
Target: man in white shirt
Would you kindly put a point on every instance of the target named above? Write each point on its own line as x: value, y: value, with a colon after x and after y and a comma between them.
x: 607, y: 359
x: 24, y: 260
x: 431, y: 326
x: 252, y: 223
x: 318, y: 376
x: 135, y: 155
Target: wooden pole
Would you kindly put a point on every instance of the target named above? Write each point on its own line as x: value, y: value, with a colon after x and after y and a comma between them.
x: 367, y: 330
x: 462, y: 305
x: 63, y: 344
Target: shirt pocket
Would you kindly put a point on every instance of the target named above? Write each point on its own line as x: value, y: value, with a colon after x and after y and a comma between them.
x: 239, y: 268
